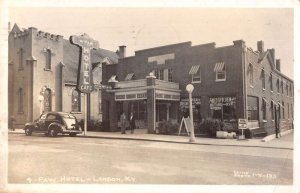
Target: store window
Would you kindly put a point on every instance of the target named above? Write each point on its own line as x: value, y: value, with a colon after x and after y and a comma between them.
x: 75, y: 101
x: 252, y: 108
x: 139, y: 109
x: 220, y: 70
x: 195, y: 72
x: 223, y: 108
x: 196, y: 104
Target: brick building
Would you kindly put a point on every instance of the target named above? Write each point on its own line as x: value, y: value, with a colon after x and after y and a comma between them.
x: 43, y: 73
x: 230, y: 82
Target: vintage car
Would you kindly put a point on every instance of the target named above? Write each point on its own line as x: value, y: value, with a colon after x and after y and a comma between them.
x: 53, y: 123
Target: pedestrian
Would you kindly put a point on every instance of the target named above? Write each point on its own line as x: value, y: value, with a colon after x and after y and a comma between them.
x: 123, y: 123
x: 11, y: 123
x: 132, y: 122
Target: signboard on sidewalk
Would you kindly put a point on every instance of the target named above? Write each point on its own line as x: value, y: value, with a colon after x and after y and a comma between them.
x: 242, y: 123
x: 187, y: 123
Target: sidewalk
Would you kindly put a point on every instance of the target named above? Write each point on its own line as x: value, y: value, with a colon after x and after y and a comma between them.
x: 141, y: 134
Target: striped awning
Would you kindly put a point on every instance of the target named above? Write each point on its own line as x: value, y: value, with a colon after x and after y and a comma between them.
x: 194, y: 69
x: 129, y: 76
x: 265, y: 100
x: 219, y: 66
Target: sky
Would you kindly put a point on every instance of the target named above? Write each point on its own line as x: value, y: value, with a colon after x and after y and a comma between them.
x: 140, y: 28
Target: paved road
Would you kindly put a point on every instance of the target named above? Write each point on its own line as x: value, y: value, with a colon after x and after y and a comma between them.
x: 40, y: 159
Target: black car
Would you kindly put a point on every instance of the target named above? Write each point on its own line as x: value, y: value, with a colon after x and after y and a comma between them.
x: 52, y: 123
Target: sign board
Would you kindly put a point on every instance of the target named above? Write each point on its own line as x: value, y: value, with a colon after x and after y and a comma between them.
x: 85, y: 82
x: 187, y: 123
x: 242, y: 123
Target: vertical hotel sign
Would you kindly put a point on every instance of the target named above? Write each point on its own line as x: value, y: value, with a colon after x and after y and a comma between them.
x: 85, y: 82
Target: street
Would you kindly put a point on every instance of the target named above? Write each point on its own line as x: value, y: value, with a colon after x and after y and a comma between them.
x: 77, y: 160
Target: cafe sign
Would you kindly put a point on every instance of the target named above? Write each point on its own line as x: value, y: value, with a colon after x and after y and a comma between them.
x: 216, y: 103
x: 85, y: 82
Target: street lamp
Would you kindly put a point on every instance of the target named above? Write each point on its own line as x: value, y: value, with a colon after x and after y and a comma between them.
x: 189, y: 88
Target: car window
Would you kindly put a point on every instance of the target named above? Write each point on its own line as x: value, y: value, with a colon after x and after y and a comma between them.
x: 43, y: 116
x: 51, y: 117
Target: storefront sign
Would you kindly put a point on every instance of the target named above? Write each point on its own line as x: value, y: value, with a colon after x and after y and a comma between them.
x: 85, y: 82
x: 217, y: 103
x: 184, y: 103
x: 242, y: 123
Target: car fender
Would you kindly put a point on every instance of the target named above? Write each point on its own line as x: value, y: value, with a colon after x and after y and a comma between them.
x: 31, y: 124
x: 59, y: 126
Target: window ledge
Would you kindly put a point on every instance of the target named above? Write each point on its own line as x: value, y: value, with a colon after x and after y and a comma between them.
x: 263, y: 89
x: 220, y: 80
x: 196, y: 82
x: 45, y: 69
x: 264, y: 121
x: 251, y: 86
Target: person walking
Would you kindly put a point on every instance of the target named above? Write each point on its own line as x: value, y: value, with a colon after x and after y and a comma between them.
x: 123, y: 123
x: 132, y: 122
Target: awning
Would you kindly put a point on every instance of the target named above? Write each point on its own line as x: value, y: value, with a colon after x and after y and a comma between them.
x: 219, y: 66
x: 194, y: 69
x: 265, y: 100
x: 129, y: 76
x: 113, y: 79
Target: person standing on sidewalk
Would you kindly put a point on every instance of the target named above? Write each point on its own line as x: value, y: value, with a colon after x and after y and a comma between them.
x: 132, y: 122
x: 123, y: 123
x: 11, y: 123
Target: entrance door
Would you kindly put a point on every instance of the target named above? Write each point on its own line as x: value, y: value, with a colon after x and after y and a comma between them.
x: 47, y: 100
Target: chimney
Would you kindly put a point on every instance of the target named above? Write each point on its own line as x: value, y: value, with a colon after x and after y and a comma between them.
x: 272, y: 52
x: 278, y: 65
x: 260, y: 46
x: 122, y: 51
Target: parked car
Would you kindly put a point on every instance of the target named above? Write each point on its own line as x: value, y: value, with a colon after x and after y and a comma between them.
x: 53, y: 123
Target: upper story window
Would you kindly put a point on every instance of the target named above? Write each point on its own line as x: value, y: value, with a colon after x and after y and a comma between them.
x: 21, y: 56
x: 287, y: 89
x: 170, y: 75
x: 271, y: 81
x: 159, y: 74
x: 282, y: 86
x: 251, y: 74
x: 20, y: 100
x: 277, y: 85
x: 263, y: 79
x: 220, y: 70
x: 195, y: 72
x: 48, y: 59
x: 75, y: 101
x: 272, y: 109
x: 291, y: 90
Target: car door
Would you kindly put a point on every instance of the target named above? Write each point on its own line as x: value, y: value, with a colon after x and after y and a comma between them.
x: 41, y: 123
x: 49, y: 119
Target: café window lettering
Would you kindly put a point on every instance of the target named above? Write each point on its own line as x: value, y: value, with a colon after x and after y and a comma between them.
x: 75, y: 101
x: 223, y: 108
x: 196, y: 105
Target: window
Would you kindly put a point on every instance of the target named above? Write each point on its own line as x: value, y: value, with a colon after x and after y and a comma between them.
x: 288, y: 110
x: 277, y: 84
x: 264, y: 108
x: 47, y: 100
x: 195, y: 72
x: 252, y: 108
x: 48, y: 59
x: 220, y: 70
x: 20, y: 100
x: 291, y: 93
x: 263, y: 79
x: 272, y: 110
x: 251, y: 74
x: 292, y: 111
x: 223, y: 108
x: 75, y: 101
x: 283, y: 113
x: 271, y: 81
x: 287, y: 89
x: 281, y: 86
x: 21, y: 53
x: 159, y: 74
x: 170, y: 75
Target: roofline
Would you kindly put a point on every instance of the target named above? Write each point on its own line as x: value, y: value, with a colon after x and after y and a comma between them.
x: 169, y: 45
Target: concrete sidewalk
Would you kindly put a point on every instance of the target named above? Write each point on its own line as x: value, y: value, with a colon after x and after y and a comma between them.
x: 141, y: 134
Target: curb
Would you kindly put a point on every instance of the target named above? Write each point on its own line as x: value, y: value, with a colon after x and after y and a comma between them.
x: 273, y: 136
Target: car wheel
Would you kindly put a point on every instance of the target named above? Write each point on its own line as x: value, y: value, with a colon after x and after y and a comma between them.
x: 52, y: 132
x: 28, y: 131
x: 73, y: 134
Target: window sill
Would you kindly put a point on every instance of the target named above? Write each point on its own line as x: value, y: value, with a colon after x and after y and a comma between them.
x: 47, y: 70
x: 264, y: 121
x: 196, y: 82
x: 75, y: 112
x: 263, y: 89
x: 220, y: 80
x: 251, y: 86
